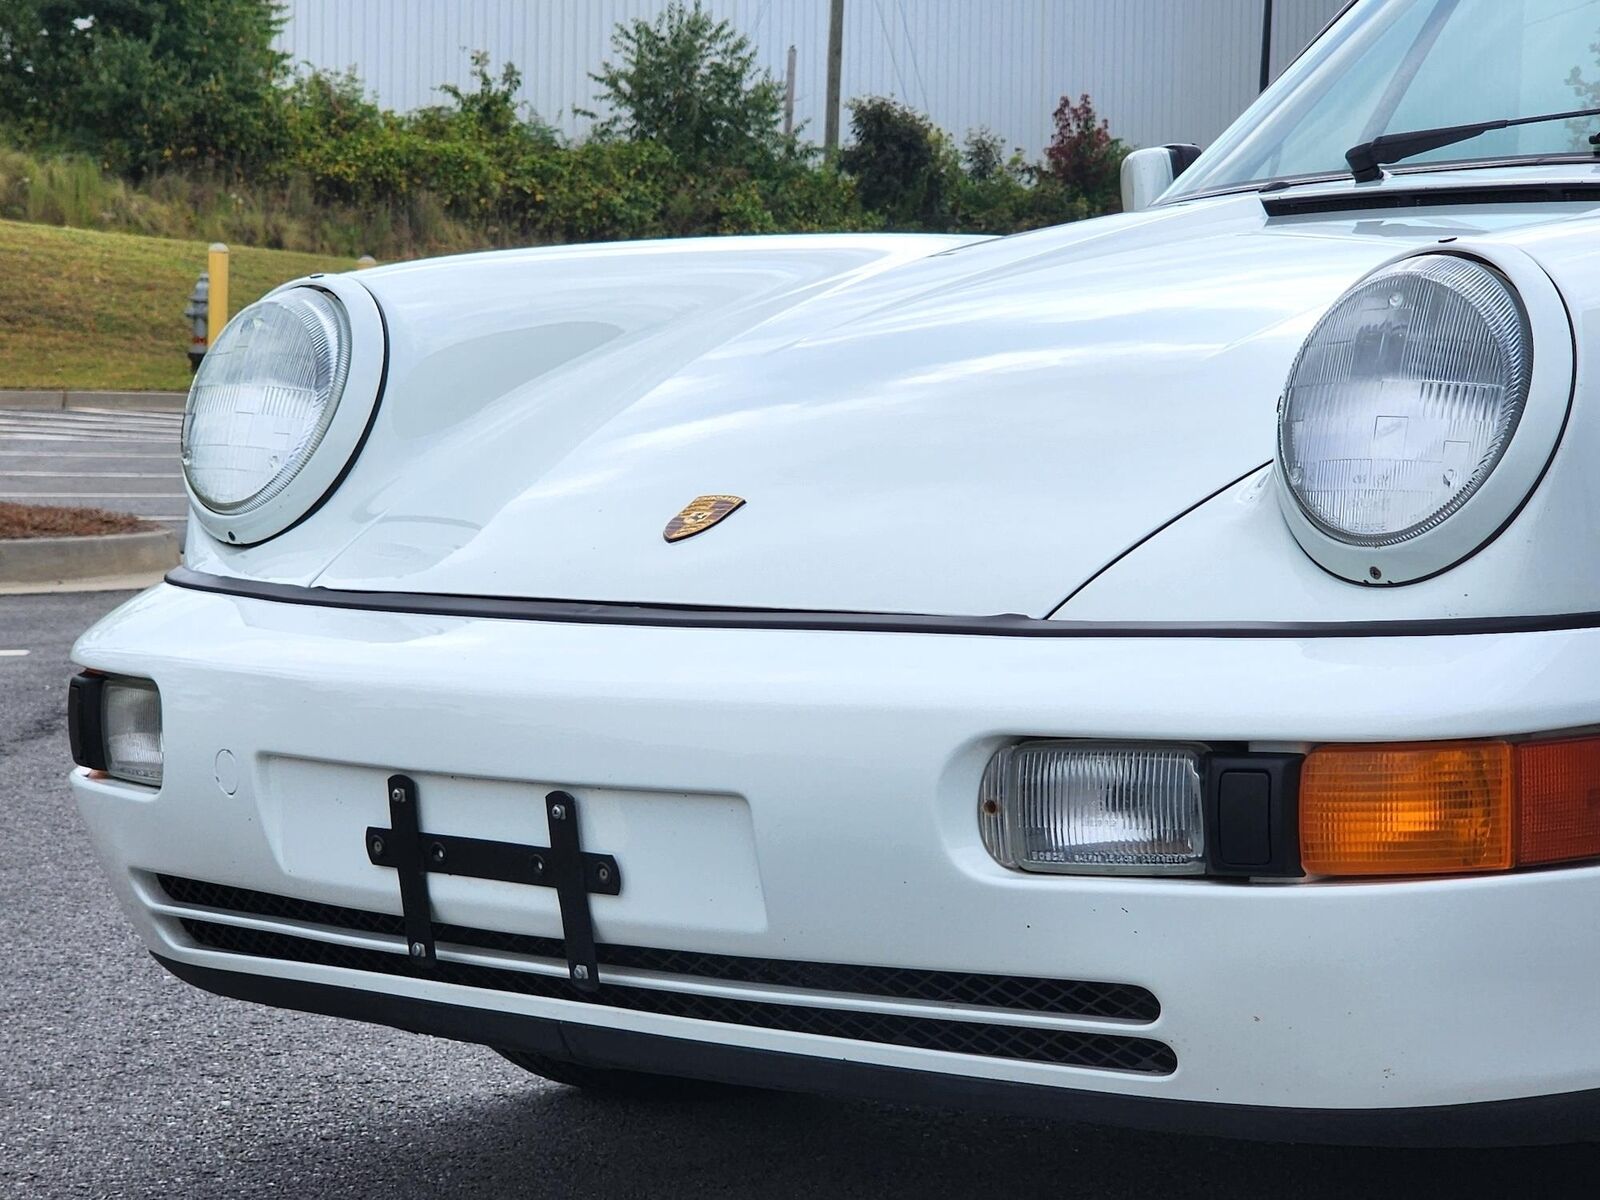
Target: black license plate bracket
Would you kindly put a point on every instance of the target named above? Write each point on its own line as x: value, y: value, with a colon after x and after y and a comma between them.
x: 564, y: 865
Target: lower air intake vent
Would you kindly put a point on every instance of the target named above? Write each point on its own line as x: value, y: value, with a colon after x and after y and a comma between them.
x: 1100, y: 1051
x: 1059, y: 997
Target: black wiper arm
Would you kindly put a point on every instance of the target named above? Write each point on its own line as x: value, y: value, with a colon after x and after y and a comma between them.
x: 1366, y: 158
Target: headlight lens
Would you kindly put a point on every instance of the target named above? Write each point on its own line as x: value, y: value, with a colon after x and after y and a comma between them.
x: 1404, y: 399
x: 263, y: 398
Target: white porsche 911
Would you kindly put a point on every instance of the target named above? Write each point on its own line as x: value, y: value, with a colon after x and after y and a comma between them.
x: 1146, y: 671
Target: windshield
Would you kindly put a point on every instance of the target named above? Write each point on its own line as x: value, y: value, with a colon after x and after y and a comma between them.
x: 1392, y: 66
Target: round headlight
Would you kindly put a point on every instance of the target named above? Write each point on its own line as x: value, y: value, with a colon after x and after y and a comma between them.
x: 263, y: 398
x: 1405, y: 401
x: 281, y: 406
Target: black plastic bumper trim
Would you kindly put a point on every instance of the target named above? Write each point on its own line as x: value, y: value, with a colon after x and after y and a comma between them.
x: 577, y: 612
x: 86, y: 720
x: 1540, y: 1120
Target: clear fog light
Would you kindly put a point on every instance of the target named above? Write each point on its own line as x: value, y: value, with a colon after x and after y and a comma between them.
x: 132, y: 728
x: 1094, y: 808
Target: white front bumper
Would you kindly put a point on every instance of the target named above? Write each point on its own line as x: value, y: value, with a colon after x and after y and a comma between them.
x: 811, y: 797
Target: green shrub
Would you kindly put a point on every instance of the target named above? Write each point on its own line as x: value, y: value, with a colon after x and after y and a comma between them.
x: 145, y: 85
x: 690, y: 144
x: 598, y: 191
x: 999, y: 194
x: 72, y: 190
x: 804, y: 197
x: 689, y: 82
x: 902, y: 165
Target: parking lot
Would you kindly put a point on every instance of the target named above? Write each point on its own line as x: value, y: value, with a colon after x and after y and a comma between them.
x: 125, y: 461
x: 121, y: 1082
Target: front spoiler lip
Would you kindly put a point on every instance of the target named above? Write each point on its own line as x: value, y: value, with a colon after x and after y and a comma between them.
x: 582, y: 612
x: 1539, y: 1120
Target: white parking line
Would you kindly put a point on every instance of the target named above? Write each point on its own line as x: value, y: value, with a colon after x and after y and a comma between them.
x: 14, y: 653
x: 149, y: 434
x: 73, y: 416
x: 137, y: 439
x: 83, y: 454
x: 92, y: 495
x: 91, y: 426
x: 92, y: 474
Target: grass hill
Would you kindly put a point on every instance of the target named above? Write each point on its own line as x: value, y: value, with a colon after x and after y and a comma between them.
x: 91, y: 310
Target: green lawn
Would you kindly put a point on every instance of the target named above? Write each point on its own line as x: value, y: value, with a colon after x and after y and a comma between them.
x: 82, y: 309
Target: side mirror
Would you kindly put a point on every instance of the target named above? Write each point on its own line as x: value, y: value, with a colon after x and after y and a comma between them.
x: 1149, y: 172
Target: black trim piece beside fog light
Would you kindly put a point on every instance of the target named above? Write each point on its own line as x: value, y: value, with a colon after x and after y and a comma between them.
x: 1252, y: 815
x: 86, y: 720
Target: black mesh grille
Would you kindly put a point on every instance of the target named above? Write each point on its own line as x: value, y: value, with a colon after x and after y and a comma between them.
x: 1105, y: 1052
x: 1060, y: 997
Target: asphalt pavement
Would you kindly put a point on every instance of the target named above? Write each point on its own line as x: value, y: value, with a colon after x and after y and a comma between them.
x: 125, y: 461
x: 118, y: 1081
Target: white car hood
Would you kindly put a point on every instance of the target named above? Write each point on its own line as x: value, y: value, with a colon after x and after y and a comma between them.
x: 917, y: 425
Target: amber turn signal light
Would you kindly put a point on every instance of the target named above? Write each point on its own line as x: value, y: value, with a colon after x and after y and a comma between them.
x: 1558, y: 800
x: 1407, y: 809
x: 1449, y: 807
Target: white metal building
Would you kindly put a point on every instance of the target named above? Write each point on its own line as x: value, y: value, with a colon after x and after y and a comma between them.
x: 1159, y: 70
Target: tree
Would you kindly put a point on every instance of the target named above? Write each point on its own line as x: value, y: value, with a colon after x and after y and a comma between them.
x: 690, y: 83
x: 492, y: 111
x: 145, y: 84
x: 901, y: 164
x: 1083, y: 156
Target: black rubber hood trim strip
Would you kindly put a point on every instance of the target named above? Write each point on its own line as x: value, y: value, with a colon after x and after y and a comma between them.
x: 580, y: 612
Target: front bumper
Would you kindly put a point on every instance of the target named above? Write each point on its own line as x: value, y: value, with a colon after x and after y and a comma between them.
x: 808, y: 797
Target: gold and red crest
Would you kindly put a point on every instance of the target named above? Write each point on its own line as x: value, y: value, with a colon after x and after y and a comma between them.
x: 699, y: 515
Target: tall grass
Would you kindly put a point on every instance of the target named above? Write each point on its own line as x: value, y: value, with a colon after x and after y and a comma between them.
x: 73, y: 191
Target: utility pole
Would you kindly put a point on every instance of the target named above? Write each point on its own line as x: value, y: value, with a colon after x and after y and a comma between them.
x: 830, y: 136
x: 788, y: 96
x: 1266, y: 46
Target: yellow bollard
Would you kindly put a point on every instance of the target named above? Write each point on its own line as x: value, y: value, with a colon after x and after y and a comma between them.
x: 217, y: 301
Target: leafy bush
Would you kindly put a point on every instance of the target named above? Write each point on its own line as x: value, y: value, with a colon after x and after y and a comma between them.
x: 145, y: 85
x: 983, y: 155
x: 907, y: 170
x: 902, y: 165
x: 689, y: 82
x: 350, y: 149
x: 73, y: 190
x: 596, y: 192
x: 804, y: 197
x: 1084, y: 158
x: 133, y: 124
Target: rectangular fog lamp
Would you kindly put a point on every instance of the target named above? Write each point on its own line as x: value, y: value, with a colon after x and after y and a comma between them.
x: 131, y: 718
x: 1095, y: 808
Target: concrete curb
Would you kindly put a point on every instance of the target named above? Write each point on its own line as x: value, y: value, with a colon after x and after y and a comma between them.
x: 49, y: 399
x: 65, y: 560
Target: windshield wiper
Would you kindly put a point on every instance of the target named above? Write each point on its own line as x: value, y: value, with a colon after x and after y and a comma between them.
x: 1366, y: 158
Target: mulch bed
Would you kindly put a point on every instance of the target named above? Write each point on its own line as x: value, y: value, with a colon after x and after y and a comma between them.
x: 43, y: 520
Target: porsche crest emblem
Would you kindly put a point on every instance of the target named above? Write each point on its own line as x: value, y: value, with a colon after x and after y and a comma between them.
x: 699, y: 515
